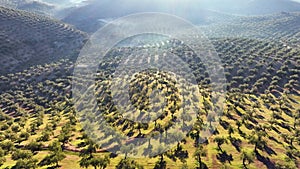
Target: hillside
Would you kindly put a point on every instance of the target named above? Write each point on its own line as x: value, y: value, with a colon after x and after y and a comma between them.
x: 258, y: 128
x: 28, y: 39
x: 256, y: 124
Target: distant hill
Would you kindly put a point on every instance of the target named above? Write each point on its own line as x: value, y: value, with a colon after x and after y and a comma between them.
x: 35, y: 6
x: 90, y: 17
x: 38, y: 7
x: 261, y: 7
x: 249, y: 7
x: 58, y: 2
x: 27, y: 39
x: 283, y: 26
x: 13, y: 3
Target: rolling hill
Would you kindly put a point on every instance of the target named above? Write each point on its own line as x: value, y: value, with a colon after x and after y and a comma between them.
x: 28, y: 39
x: 259, y: 126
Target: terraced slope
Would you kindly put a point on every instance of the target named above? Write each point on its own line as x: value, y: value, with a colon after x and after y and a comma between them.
x: 28, y: 39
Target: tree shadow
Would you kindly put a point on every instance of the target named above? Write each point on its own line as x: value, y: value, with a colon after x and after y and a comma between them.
x: 223, y: 157
x: 147, y: 151
x: 249, y: 126
x: 242, y: 134
x: 181, y: 154
x: 203, y: 166
x: 253, y: 120
x: 113, y: 155
x: 269, y: 150
x: 259, y: 116
x: 236, y: 143
x: 285, y: 126
x: 161, y: 165
x: 171, y: 156
x: 53, y: 167
x: 274, y: 139
x: 125, y: 127
x: 130, y: 133
x: 224, y: 124
x: 242, y: 106
x: 276, y: 130
x: 293, y: 100
x: 81, y: 144
x: 238, y: 112
x: 230, y: 116
x: 266, y: 161
x: 214, y: 131
x: 287, y: 111
x: 278, y: 117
